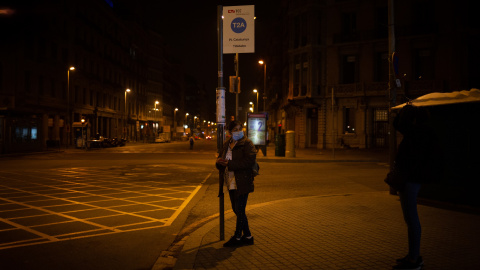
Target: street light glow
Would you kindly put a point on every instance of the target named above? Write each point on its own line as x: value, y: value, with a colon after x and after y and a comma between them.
x: 176, y: 109
x: 260, y: 62
x: 72, y: 68
x: 254, y: 90
x: 128, y: 90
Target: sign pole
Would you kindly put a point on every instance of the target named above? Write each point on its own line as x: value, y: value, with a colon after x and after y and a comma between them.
x: 237, y: 90
x: 220, y: 100
x: 392, y: 95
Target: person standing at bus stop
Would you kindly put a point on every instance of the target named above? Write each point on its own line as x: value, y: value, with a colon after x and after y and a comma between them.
x: 235, y: 162
x: 418, y: 161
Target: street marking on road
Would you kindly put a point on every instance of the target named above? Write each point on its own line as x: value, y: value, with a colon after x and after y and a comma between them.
x: 185, y: 203
x: 79, y: 201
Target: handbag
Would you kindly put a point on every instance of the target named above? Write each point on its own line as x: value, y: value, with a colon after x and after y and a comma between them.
x: 394, y: 179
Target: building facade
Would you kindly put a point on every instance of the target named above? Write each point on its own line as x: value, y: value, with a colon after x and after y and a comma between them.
x: 336, y: 58
x: 67, y: 61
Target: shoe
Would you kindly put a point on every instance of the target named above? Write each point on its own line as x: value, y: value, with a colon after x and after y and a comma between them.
x: 246, y: 241
x: 233, y: 242
x: 406, y: 264
x: 407, y: 258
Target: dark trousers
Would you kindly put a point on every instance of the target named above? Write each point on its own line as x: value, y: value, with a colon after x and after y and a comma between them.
x: 239, y: 203
x: 408, y: 200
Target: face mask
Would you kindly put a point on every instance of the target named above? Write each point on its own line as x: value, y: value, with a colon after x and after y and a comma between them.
x: 237, y: 135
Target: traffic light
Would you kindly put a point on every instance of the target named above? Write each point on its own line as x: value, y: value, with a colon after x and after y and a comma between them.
x: 234, y: 84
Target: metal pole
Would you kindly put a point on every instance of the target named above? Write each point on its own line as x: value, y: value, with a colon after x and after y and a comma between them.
x: 67, y: 118
x: 220, y: 94
x: 174, y: 124
x: 264, y: 85
x: 236, y: 86
x: 391, y: 91
x: 333, y: 124
x: 125, y: 117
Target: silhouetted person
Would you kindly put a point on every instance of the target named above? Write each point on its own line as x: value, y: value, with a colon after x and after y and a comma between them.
x: 417, y: 162
x: 192, y: 141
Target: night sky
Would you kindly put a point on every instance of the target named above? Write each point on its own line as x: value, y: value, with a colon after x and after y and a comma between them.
x: 190, y: 30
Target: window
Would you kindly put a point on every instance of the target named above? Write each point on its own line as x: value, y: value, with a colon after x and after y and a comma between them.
x: 64, y: 91
x: 304, y: 28
x: 304, y: 74
x: 349, y: 26
x: 76, y: 95
x: 300, y: 30
x: 40, y: 85
x: 28, y: 85
x: 381, y: 67
x: 423, y: 64
x: 54, y: 51
x: 381, y: 115
x: 381, y: 22
x: 52, y: 87
x: 349, y: 120
x: 1, y: 76
x: 91, y: 97
x: 296, y: 75
x: 348, y: 73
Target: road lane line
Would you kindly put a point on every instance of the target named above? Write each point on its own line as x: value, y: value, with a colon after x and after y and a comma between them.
x: 185, y: 203
x: 30, y: 230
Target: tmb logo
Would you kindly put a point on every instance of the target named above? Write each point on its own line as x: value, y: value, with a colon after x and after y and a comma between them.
x: 235, y: 11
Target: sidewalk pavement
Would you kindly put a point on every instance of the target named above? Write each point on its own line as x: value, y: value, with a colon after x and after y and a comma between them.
x: 345, y: 231
x: 358, y: 231
x: 326, y: 155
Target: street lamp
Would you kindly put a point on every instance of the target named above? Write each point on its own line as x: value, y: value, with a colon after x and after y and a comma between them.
x: 255, y: 91
x: 125, y: 115
x: 253, y: 106
x: 83, y: 136
x: 155, y: 114
x: 175, y: 123
x: 261, y: 62
x: 67, y: 118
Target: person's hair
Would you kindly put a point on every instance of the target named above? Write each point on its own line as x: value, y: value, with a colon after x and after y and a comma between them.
x: 233, y: 124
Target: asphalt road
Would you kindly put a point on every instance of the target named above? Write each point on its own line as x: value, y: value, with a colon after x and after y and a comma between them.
x: 114, y: 208
x: 119, y: 208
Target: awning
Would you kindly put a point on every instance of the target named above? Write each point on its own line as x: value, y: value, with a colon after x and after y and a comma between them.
x: 434, y: 99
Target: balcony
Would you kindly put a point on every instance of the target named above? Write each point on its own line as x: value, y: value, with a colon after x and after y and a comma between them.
x: 358, y: 89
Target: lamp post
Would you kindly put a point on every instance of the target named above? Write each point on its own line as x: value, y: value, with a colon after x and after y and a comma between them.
x: 83, y: 136
x: 155, y: 114
x: 255, y: 91
x: 175, y: 123
x: 252, y: 107
x: 125, y: 115
x: 67, y: 118
x: 261, y: 62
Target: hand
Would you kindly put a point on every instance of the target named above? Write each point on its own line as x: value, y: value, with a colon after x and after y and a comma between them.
x: 222, y: 161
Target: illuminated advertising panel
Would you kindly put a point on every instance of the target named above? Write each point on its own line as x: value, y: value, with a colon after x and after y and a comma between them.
x: 257, y: 128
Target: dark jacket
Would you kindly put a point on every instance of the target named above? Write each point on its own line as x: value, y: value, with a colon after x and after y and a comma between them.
x: 243, y: 159
x: 419, y: 158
